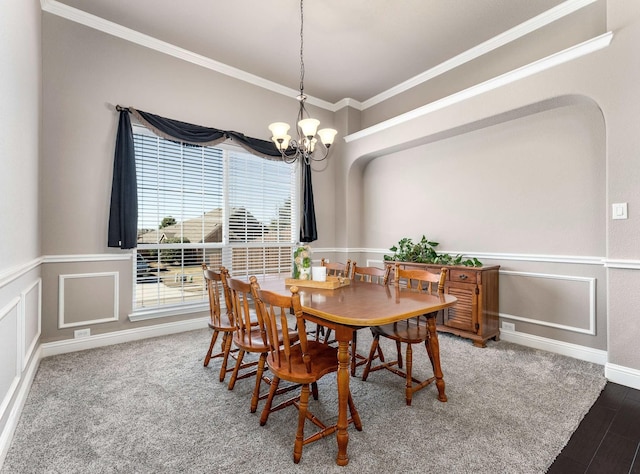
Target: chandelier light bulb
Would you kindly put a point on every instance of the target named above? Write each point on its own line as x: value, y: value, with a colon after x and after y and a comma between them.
x: 327, y: 135
x: 279, y: 130
x: 309, y: 126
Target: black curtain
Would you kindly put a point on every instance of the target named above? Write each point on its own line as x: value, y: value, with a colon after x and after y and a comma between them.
x: 123, y: 217
x: 308, y: 230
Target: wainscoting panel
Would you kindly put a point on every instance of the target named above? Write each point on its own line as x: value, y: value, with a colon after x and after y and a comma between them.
x: 10, y: 352
x: 75, y: 309
x: 31, y: 319
x: 558, y: 301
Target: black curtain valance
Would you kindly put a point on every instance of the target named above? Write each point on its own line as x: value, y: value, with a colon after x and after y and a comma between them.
x: 123, y: 217
x: 203, y: 136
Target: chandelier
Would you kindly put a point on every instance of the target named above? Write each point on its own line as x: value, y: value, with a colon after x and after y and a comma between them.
x: 306, y: 145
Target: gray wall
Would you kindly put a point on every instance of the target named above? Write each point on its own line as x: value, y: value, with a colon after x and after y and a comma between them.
x: 20, y: 285
x: 526, y: 189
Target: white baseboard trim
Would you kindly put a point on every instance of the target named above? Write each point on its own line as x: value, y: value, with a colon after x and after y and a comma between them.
x: 622, y: 375
x: 117, y: 337
x: 72, y: 345
x: 14, y: 415
x: 576, y: 351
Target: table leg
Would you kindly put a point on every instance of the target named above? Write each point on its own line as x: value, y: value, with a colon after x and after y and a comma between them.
x: 435, y: 352
x: 343, y: 336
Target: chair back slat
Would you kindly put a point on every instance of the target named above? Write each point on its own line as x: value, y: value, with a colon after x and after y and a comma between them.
x: 241, y: 306
x: 280, y: 314
x: 215, y: 287
x: 420, y: 280
x: 337, y: 268
x: 374, y: 275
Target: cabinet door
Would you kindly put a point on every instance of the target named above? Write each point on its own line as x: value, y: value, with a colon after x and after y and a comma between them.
x: 464, y: 315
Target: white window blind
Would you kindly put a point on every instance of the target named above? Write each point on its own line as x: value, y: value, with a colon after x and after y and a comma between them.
x: 214, y: 205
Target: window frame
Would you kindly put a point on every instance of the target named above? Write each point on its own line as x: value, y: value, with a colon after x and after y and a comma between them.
x: 226, y: 247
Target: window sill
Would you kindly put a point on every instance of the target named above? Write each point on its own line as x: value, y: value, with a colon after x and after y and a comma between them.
x: 157, y: 313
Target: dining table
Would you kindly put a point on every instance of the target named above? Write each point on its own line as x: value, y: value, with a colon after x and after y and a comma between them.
x: 358, y: 305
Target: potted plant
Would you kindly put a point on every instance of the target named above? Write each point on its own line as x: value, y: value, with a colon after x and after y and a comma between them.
x: 424, y: 252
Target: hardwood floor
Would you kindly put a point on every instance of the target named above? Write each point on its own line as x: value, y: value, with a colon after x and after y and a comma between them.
x: 608, y: 438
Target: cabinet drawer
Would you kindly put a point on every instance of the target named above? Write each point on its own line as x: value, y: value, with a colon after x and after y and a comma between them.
x: 466, y: 276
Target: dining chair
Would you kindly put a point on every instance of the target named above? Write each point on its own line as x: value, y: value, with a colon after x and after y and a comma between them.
x: 337, y: 269
x: 420, y: 329
x: 218, y: 321
x: 373, y: 275
x: 303, y: 362
x: 249, y: 336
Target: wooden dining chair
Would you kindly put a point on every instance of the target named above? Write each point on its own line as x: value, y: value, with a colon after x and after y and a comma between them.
x: 303, y: 362
x: 337, y: 269
x: 249, y: 336
x: 420, y: 329
x: 219, y: 321
x: 375, y: 276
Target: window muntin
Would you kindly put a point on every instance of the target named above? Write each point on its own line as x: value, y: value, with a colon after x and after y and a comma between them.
x: 218, y: 205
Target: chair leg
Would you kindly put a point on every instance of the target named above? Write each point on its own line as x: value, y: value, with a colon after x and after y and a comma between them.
x: 355, y: 416
x: 427, y: 344
x: 267, y: 407
x: 354, y: 344
x: 234, y: 374
x: 302, y: 416
x: 372, y: 351
x: 256, y: 390
x: 226, y: 349
x: 408, y: 390
x: 399, y: 351
x: 207, y: 358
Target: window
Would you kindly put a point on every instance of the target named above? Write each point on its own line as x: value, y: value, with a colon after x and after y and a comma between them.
x: 217, y: 205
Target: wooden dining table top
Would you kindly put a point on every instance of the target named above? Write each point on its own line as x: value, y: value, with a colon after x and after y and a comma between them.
x: 362, y: 304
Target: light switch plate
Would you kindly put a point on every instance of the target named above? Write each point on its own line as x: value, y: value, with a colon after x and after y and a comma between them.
x: 619, y: 210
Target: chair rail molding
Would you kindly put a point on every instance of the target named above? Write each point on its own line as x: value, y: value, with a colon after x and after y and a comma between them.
x: 100, y: 257
x: 522, y: 257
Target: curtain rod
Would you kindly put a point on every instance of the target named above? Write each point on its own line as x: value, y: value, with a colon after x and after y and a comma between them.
x: 120, y: 108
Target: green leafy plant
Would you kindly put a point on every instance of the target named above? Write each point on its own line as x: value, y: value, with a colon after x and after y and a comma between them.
x: 424, y: 252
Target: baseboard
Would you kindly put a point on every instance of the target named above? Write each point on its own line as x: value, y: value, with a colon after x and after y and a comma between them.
x: 71, y: 345
x: 551, y: 345
x: 117, y: 337
x: 623, y: 375
x: 21, y: 397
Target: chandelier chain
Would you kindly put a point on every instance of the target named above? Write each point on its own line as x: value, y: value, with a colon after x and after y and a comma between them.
x: 301, y: 49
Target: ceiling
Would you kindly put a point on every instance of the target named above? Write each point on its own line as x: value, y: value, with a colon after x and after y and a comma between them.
x: 353, y: 49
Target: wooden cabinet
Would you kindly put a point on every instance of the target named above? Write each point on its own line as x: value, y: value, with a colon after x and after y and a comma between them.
x: 475, y: 316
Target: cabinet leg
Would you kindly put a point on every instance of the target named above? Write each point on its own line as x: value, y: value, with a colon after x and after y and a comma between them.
x: 481, y: 344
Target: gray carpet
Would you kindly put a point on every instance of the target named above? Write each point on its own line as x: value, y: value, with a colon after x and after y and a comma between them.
x: 150, y: 406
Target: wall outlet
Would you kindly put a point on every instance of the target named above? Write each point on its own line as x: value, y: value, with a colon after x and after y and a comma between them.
x: 84, y: 333
x: 508, y: 326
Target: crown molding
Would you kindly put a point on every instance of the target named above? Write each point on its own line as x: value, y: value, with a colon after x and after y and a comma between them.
x: 529, y: 26
x: 530, y: 69
x: 92, y: 21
